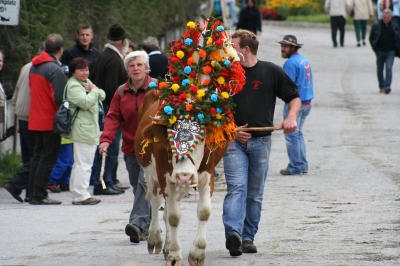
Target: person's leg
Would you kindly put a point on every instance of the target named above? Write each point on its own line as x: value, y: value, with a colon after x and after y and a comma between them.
x: 334, y: 27
x: 259, y: 150
x: 293, y: 146
x: 389, y: 60
x: 342, y: 24
x: 140, y: 214
x: 58, y: 170
x: 303, y: 154
x: 35, y: 161
x: 50, y: 148
x: 380, y: 59
x: 69, y: 161
x: 232, y: 12
x: 236, y: 165
x: 363, y: 30
x: 357, y: 28
x: 80, y: 175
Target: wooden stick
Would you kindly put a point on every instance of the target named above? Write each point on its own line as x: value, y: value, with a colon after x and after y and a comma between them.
x: 103, y: 162
x: 257, y: 128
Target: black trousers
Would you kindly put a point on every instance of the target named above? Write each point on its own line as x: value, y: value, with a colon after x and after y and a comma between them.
x: 27, y: 141
x: 45, y: 155
x: 338, y: 22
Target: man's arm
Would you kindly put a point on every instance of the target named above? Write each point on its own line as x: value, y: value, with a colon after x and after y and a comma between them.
x: 289, y: 125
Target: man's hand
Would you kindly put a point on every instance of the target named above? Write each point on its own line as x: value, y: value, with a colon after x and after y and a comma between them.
x: 103, y: 147
x: 242, y: 136
x: 289, y: 125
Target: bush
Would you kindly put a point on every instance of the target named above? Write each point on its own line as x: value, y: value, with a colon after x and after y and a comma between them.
x: 269, y: 14
x: 286, y: 8
x: 10, y: 164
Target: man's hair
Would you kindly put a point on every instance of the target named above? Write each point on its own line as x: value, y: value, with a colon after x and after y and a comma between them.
x: 84, y: 26
x: 150, y: 44
x: 247, y: 38
x: 254, y: 2
x: 132, y: 45
x: 54, y: 43
x: 387, y: 11
x: 77, y: 63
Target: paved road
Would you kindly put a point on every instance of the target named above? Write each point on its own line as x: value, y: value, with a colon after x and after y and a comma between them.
x: 345, y: 211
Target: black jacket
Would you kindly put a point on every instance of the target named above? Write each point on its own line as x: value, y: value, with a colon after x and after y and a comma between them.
x: 376, y: 33
x: 249, y: 19
x: 77, y: 51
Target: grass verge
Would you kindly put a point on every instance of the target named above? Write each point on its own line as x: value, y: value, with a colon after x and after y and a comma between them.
x: 10, y: 163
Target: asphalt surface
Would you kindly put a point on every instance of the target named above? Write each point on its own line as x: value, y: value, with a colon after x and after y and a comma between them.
x: 345, y: 211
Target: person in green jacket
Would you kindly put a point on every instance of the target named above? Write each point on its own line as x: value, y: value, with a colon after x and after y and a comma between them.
x: 85, y: 132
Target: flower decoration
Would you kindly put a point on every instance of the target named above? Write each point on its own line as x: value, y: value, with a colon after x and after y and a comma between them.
x: 204, y: 73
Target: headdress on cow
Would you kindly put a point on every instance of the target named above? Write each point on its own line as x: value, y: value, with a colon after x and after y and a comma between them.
x: 204, y: 73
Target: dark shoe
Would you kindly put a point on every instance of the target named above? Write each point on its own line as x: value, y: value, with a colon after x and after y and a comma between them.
x: 121, y: 186
x: 64, y: 187
x: 341, y: 45
x: 89, y: 201
x: 133, y: 232
x: 107, y: 191
x: 233, y: 244
x: 248, y: 247
x: 46, y: 201
x: 14, y: 194
x: 285, y: 172
x: 387, y: 90
x: 117, y: 189
x: 335, y: 45
x: 358, y: 45
x: 364, y: 43
x: 53, y: 188
x: 26, y: 199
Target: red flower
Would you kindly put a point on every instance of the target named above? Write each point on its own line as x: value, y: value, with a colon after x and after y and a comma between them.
x: 176, y: 79
x: 213, y: 111
x: 192, y: 74
x: 174, y: 59
x: 219, y: 42
x: 193, y: 89
x: 182, y: 96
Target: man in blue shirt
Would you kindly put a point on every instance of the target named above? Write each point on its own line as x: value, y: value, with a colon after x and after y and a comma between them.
x: 298, y: 69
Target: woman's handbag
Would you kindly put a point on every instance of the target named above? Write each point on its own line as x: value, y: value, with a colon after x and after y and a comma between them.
x: 63, y: 120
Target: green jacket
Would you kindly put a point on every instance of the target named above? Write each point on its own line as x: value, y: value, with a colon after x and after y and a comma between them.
x: 86, y: 124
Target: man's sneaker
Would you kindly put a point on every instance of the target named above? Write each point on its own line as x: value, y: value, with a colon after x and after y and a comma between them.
x: 285, y: 172
x: 46, y: 201
x: 53, y: 188
x: 133, y: 232
x: 89, y: 201
x: 248, y: 247
x: 233, y: 244
x: 64, y: 187
x: 387, y: 90
x: 121, y: 186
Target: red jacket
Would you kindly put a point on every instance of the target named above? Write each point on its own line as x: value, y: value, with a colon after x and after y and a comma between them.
x: 123, y: 112
x: 46, y: 82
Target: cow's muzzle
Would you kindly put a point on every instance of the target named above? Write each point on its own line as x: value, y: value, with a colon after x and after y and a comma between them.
x: 185, y: 180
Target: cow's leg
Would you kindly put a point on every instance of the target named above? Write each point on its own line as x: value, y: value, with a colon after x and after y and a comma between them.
x: 197, y: 253
x: 154, y: 240
x: 174, y: 256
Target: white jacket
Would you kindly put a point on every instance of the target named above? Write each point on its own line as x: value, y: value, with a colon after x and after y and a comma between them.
x: 362, y: 9
x: 337, y: 7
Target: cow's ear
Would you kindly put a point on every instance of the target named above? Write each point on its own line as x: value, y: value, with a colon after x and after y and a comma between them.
x: 155, y: 132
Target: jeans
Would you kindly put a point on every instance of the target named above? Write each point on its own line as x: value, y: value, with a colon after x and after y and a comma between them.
x: 246, y: 167
x: 338, y: 22
x: 62, y: 169
x: 385, y: 59
x: 295, y: 145
x: 45, y: 155
x: 141, y: 210
x: 360, y: 25
x: 27, y: 142
x: 232, y: 12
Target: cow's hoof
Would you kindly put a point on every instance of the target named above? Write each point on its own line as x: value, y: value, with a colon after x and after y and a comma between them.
x: 174, y: 263
x: 156, y: 248
x: 195, y: 262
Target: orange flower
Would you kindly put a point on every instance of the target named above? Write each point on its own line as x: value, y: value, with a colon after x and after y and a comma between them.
x: 163, y: 85
x: 206, y: 82
x: 190, y: 61
x: 202, y: 53
x: 207, y: 70
x: 216, y: 55
x: 188, y: 107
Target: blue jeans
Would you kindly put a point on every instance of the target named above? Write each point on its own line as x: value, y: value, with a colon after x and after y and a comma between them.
x: 295, y: 145
x: 385, y: 60
x: 246, y: 167
x: 61, y: 172
x: 232, y: 12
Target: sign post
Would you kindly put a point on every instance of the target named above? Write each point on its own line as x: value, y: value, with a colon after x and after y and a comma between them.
x: 9, y: 12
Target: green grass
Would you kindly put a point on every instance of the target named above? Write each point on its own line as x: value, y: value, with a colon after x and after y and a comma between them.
x: 320, y: 18
x: 10, y: 164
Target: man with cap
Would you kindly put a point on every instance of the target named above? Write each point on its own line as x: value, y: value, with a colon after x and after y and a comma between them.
x: 246, y: 161
x: 109, y: 73
x: 298, y: 69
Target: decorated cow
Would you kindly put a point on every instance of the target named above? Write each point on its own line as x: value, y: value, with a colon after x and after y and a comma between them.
x: 185, y: 124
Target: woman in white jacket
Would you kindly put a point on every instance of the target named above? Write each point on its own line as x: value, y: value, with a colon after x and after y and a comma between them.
x: 362, y: 11
x: 337, y: 10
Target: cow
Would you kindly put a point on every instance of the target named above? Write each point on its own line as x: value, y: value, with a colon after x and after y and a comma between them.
x: 172, y: 180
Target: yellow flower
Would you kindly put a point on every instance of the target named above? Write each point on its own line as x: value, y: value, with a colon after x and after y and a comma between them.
x: 213, y: 63
x: 218, y: 116
x: 225, y: 95
x: 191, y: 24
x: 200, y: 94
x: 221, y: 80
x: 209, y: 41
x: 172, y: 120
x: 175, y: 87
x: 180, y: 54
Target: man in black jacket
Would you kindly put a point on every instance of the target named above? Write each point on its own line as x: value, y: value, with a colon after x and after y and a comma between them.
x: 385, y: 41
x: 83, y: 47
x: 158, y: 62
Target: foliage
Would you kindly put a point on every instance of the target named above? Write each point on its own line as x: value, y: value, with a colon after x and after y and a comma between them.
x: 39, y: 18
x: 269, y: 14
x: 317, y: 18
x: 286, y: 8
x: 10, y: 163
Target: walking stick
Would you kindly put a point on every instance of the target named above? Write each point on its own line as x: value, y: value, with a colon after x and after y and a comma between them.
x: 258, y: 128
x: 103, y: 162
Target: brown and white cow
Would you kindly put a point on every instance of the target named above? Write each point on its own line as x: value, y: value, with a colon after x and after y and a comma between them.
x: 173, y: 181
